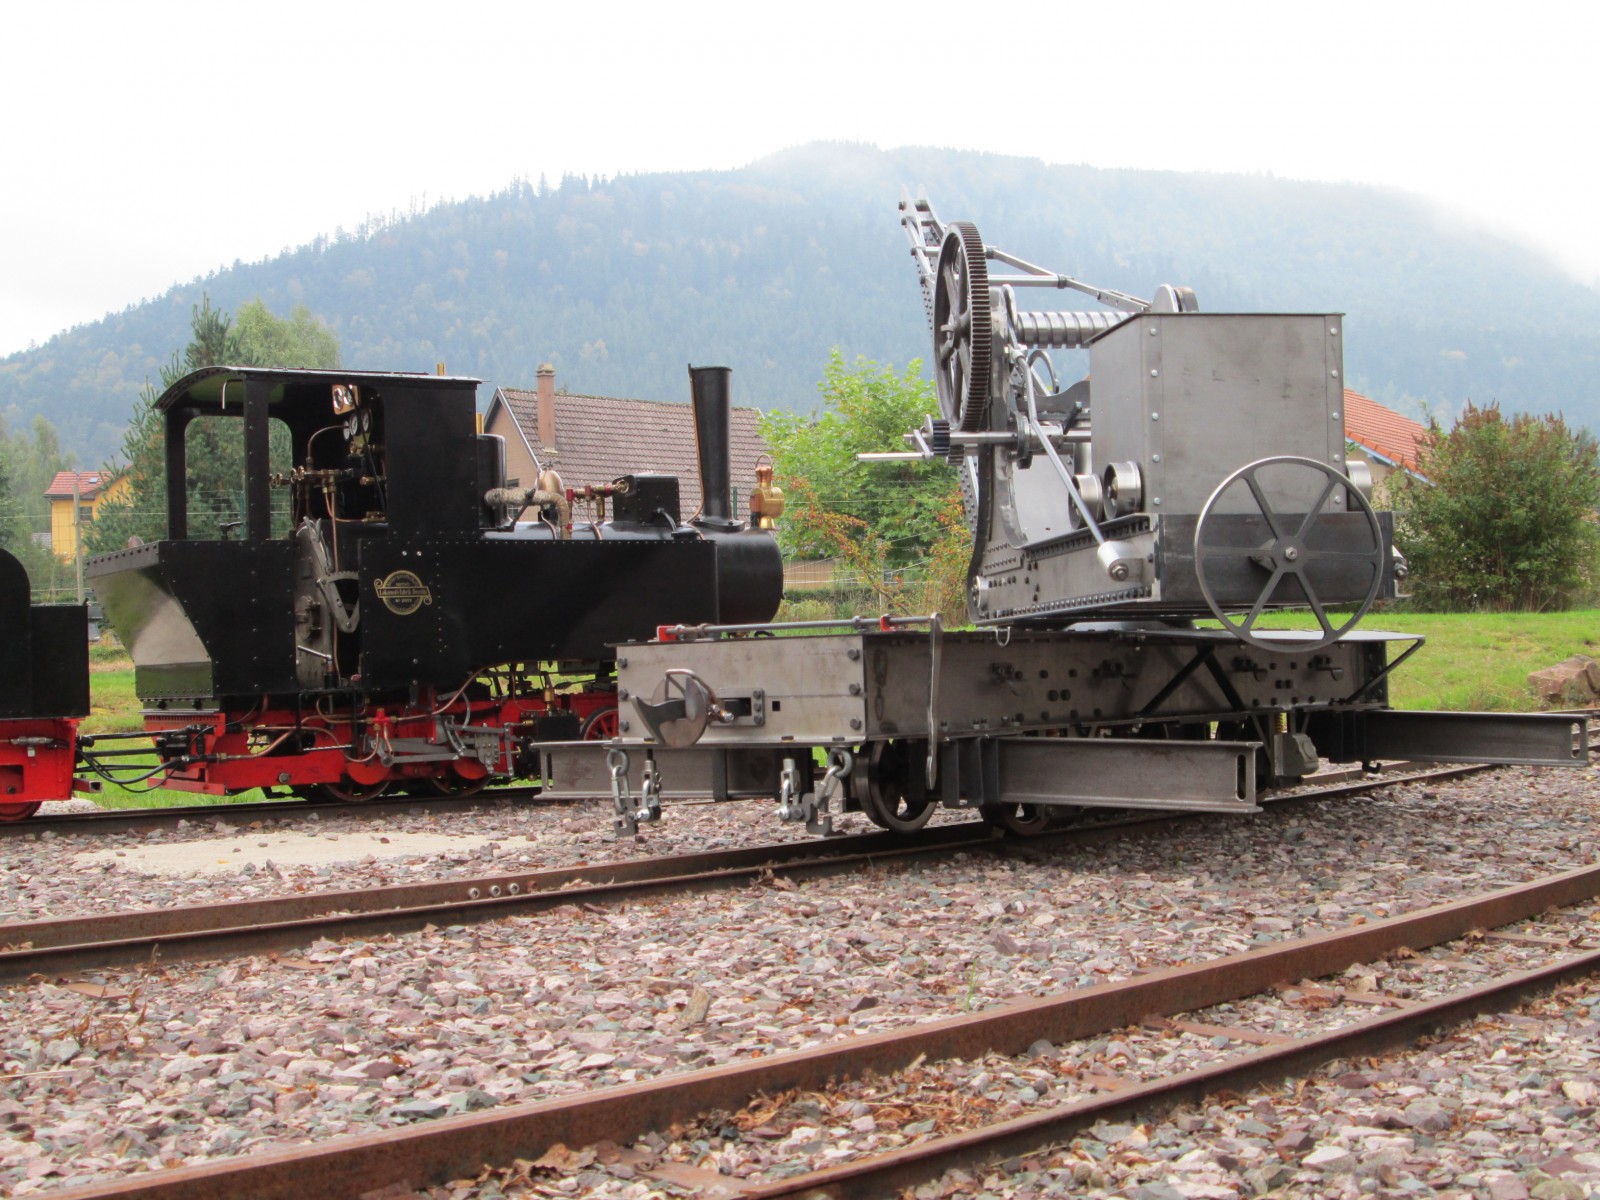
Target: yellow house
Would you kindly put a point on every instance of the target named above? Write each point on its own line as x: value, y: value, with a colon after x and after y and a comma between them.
x: 91, y: 489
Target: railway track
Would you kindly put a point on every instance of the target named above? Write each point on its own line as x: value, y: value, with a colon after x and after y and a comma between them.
x: 64, y: 945
x: 144, y: 820
x: 458, y: 1148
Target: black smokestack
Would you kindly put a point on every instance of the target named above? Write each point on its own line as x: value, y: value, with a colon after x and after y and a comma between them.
x: 711, y: 387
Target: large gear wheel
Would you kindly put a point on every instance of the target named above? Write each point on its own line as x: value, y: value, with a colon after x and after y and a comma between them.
x: 963, y: 328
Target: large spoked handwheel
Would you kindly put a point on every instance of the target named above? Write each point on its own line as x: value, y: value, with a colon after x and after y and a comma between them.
x: 1313, y: 559
x: 963, y: 328
x: 886, y: 799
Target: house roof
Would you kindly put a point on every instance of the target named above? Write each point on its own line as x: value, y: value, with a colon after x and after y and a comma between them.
x: 89, y: 484
x: 600, y: 438
x: 1383, y: 432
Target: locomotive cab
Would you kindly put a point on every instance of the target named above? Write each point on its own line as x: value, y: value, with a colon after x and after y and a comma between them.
x: 259, y: 591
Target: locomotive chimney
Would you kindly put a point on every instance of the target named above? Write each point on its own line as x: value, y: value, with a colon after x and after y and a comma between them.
x: 546, y: 407
x: 712, y: 418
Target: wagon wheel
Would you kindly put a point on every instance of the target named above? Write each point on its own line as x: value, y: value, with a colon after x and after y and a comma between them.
x: 963, y: 329
x: 885, y: 799
x: 20, y: 810
x: 1287, y: 554
x: 1021, y: 820
x: 600, y: 725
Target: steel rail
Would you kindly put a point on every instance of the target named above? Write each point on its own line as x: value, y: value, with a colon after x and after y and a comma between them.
x: 459, y: 1147
x: 888, y: 1174
x: 62, y: 945
x: 140, y: 820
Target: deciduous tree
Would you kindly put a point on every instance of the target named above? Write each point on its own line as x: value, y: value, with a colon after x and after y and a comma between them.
x: 214, y: 450
x: 1506, y: 517
x: 896, y: 528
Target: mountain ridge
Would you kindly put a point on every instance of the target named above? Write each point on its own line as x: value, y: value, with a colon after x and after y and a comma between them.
x: 621, y: 282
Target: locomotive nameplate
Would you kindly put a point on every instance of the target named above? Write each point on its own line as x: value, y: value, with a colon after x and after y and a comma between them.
x: 402, y: 592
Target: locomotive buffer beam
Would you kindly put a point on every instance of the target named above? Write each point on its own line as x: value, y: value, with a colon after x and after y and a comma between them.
x: 1198, y: 776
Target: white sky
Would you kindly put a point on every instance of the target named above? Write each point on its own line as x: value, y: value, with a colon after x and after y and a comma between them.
x: 147, y: 143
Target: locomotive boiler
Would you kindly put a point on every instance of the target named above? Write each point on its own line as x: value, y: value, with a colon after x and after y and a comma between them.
x: 390, y: 610
x: 44, y: 690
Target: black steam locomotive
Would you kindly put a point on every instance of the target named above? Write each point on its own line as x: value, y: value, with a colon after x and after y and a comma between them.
x: 382, y: 616
x: 44, y: 689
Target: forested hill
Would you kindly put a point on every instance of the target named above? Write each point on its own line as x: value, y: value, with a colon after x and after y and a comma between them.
x: 621, y: 283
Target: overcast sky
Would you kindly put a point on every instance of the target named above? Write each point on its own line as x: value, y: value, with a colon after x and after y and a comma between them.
x: 147, y: 143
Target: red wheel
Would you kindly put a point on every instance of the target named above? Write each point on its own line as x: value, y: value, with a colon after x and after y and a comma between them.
x: 600, y: 725
x: 452, y: 784
x: 20, y: 811
x: 349, y: 791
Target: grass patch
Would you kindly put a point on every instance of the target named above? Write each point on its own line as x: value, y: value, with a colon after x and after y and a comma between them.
x: 1473, y: 662
x: 114, y: 708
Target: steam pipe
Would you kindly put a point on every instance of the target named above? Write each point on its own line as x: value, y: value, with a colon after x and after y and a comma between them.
x: 711, y: 389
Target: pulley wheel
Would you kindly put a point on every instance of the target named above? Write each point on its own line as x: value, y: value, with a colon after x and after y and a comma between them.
x: 886, y: 799
x: 963, y: 329
x: 1287, y: 564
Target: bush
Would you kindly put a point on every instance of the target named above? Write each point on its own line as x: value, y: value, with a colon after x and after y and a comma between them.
x: 1504, y: 519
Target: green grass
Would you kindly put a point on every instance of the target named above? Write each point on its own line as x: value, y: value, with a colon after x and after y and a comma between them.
x: 1474, y: 661
x: 113, y: 707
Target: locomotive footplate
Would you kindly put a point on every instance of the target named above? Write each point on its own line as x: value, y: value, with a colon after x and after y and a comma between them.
x: 902, y: 715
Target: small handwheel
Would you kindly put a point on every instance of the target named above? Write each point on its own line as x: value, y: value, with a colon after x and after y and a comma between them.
x: 963, y: 329
x: 600, y: 725
x: 886, y: 799
x: 1291, y: 554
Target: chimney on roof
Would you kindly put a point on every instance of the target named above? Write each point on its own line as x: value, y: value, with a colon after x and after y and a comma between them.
x: 547, y: 406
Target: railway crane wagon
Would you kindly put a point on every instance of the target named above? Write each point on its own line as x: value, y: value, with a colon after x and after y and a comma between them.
x: 1130, y: 531
x: 381, y: 617
x: 44, y: 690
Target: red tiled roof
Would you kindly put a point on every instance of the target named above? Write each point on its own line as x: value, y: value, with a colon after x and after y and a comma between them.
x: 599, y: 438
x: 89, y: 484
x: 1382, y: 431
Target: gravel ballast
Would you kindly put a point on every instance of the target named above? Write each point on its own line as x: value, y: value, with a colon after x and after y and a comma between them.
x: 134, y: 1070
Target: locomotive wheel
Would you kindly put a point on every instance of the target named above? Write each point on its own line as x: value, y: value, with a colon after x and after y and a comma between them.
x: 1019, y: 820
x: 885, y: 800
x: 20, y: 811
x: 599, y: 726
x: 1287, y: 554
x: 963, y: 328
x: 348, y: 791
x: 451, y: 784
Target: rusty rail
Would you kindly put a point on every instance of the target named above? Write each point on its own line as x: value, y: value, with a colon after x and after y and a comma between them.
x: 457, y: 1147
x: 67, y: 944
